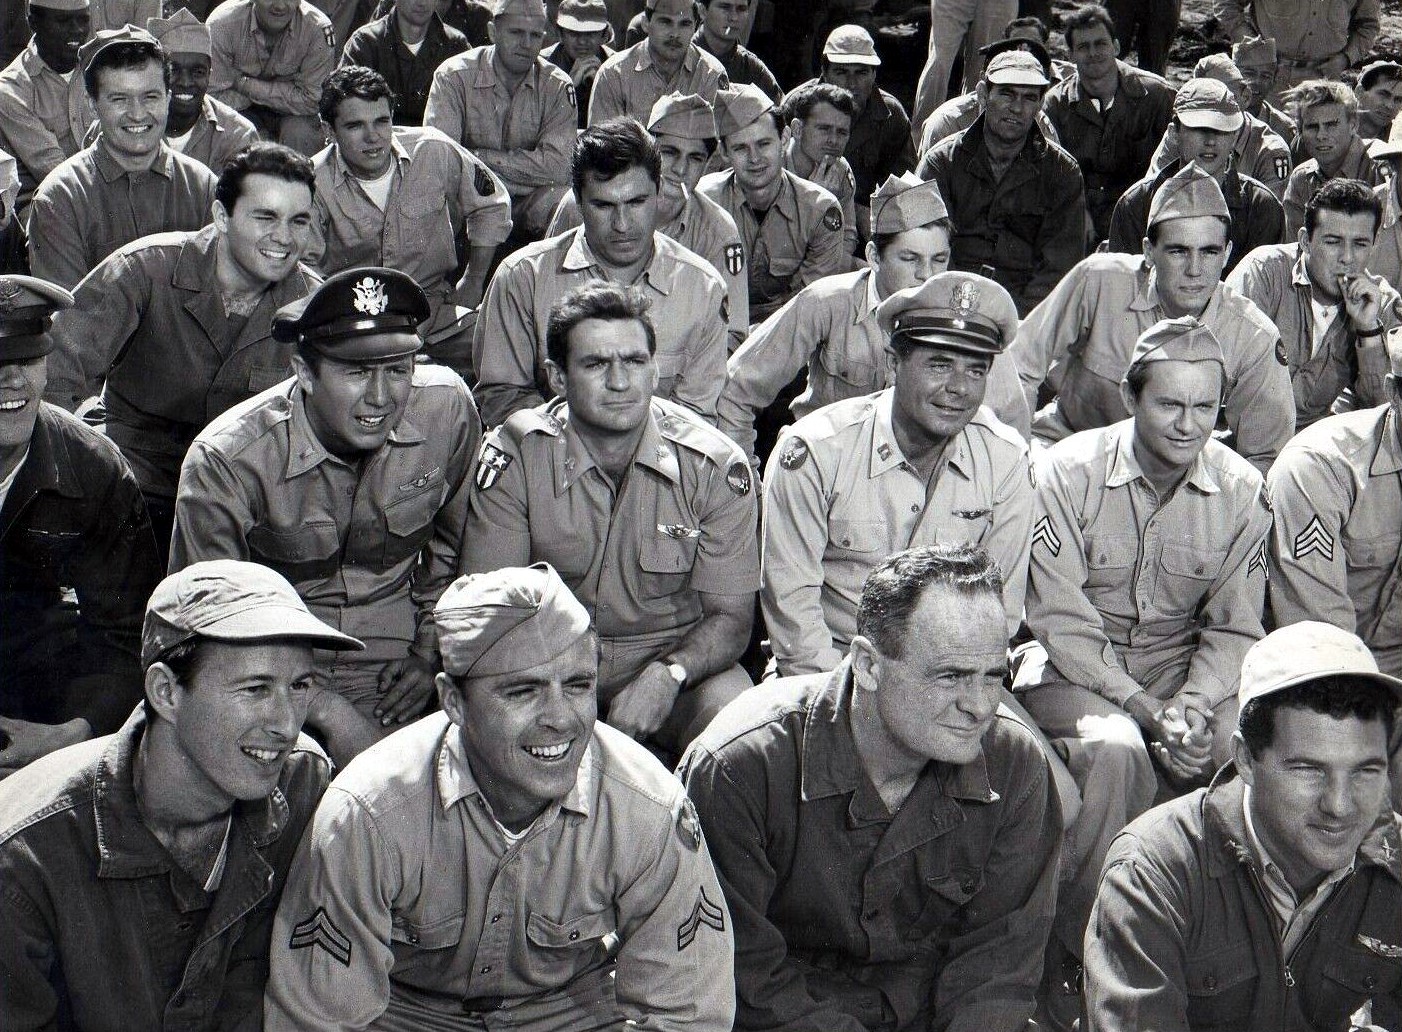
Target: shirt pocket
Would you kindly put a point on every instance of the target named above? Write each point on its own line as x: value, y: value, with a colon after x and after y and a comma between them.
x: 1354, y: 974
x: 561, y: 951
x: 1185, y: 575
x: 307, y: 552
x: 409, y: 523
x: 666, y: 561
x: 1110, y: 562
x: 1221, y: 986
x: 425, y: 226
x: 420, y: 944
x: 857, y: 537
x: 858, y: 372
x: 943, y: 898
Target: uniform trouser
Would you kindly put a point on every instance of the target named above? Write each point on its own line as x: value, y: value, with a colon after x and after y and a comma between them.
x: 1155, y: 22
x: 303, y: 133
x: 956, y: 23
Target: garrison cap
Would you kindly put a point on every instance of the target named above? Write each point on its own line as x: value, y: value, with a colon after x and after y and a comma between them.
x: 1208, y: 104
x: 61, y: 5
x: 181, y: 33
x: 27, y: 305
x: 357, y: 315
x: 1307, y: 651
x: 739, y: 107
x: 100, y: 41
x: 522, y: 8
x: 961, y: 311
x: 1188, y: 193
x: 904, y: 202
x: 850, y: 44
x: 232, y: 601
x: 1220, y: 67
x: 686, y: 116
x: 1030, y: 46
x: 582, y: 15
x: 1016, y: 68
x: 1176, y: 340
x: 507, y: 620
x: 1255, y: 52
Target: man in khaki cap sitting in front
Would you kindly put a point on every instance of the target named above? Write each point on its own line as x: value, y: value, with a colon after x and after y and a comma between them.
x: 508, y: 860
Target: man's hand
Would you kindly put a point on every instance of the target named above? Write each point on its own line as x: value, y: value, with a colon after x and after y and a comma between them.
x: 1362, y: 294
x: 1333, y: 66
x: 830, y: 175
x: 584, y: 70
x: 469, y: 291
x: 1183, y: 738
x: 345, y: 730
x: 644, y: 705
x: 26, y: 741
x: 406, y: 686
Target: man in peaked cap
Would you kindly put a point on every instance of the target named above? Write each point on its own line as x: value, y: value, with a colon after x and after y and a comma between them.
x: 667, y: 61
x: 583, y: 895
x: 791, y: 229
x: 142, y: 869
x: 1206, y: 121
x: 920, y: 461
x: 585, y: 33
x: 1080, y: 338
x: 351, y: 480
x: 1145, y: 589
x: 129, y: 182
x: 1256, y: 57
x: 1291, y: 854
x: 197, y: 125
x: 72, y: 524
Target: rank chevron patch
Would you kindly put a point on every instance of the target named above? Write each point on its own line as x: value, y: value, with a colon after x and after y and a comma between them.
x: 1258, y: 560
x: 320, y: 930
x: 704, y: 913
x: 1315, y: 538
x: 1045, y: 535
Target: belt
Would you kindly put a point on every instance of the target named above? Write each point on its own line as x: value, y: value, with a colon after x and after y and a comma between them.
x: 481, y: 1004
x: 1290, y: 62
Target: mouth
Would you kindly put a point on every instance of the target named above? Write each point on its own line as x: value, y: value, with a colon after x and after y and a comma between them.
x: 267, y: 757
x: 184, y: 98
x: 13, y: 406
x: 274, y: 256
x: 549, y: 753
x: 371, y: 422
x: 137, y: 130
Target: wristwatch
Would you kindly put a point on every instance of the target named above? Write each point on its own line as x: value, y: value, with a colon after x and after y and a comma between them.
x: 677, y: 672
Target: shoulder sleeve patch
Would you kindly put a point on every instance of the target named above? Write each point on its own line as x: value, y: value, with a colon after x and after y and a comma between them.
x: 795, y: 453
x: 330, y: 34
x: 832, y: 219
x: 492, y: 462
x: 734, y: 258
x: 482, y: 180
x: 738, y: 477
x: 569, y: 92
x: 319, y: 932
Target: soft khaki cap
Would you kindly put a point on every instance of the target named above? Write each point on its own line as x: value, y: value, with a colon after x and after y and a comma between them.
x: 686, y: 116
x: 850, y: 44
x: 904, y: 202
x: 1307, y: 651
x: 1031, y: 46
x: 182, y: 33
x: 1176, y: 340
x: 357, y: 315
x: 88, y: 52
x: 521, y: 8
x: 1255, y: 52
x: 27, y: 305
x: 1015, y: 68
x: 232, y: 601
x: 1208, y: 104
x: 507, y: 620
x: 740, y: 107
x: 1220, y: 67
x: 582, y: 15
x: 1373, y: 67
x: 1188, y: 193
x: 61, y: 5
x: 957, y: 310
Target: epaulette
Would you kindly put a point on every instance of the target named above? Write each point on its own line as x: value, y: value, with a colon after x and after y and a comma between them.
x: 831, y: 420
x: 682, y: 427
x: 539, y: 420
x: 988, y: 419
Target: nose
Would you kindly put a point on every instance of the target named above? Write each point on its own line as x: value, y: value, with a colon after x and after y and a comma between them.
x: 1336, y: 798
x: 284, y: 717
x: 377, y: 390
x: 555, y: 713
x: 977, y: 700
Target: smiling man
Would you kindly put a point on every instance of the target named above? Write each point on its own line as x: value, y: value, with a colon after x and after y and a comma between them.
x: 351, y: 480
x: 142, y: 869
x: 580, y: 893
x: 1379, y: 93
x: 667, y: 61
x: 1271, y: 899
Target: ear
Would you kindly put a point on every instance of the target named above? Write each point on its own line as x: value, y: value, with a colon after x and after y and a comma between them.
x: 866, y: 664
x: 306, y: 379
x: 1303, y: 239
x: 492, y: 31
x: 221, y: 216
x: 785, y: 137
x: 1127, y: 396
x: 1241, y: 756
x: 450, y: 698
x: 795, y: 129
x: 981, y: 91
x: 163, y: 691
x: 1148, y: 247
x: 1227, y: 254
x: 873, y: 256
x: 892, y: 360
x: 555, y: 376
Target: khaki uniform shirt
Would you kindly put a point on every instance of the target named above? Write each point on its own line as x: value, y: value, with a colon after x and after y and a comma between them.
x: 1259, y: 152
x: 1123, y: 583
x: 1306, y: 33
x: 43, y: 116
x: 628, y: 83
x: 1336, y: 551
x: 841, y: 498
x: 688, y: 312
x: 438, y: 188
x: 524, y: 135
x: 1082, y: 336
x: 407, y: 908
x: 1308, y: 177
x: 90, y: 206
x: 219, y: 133
x: 284, y: 73
x: 846, y: 199
x: 683, y: 522
x: 796, y: 242
x: 368, y: 545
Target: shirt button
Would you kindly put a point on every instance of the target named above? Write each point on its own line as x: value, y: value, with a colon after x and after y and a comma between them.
x: 1200, y: 569
x: 486, y: 969
x: 1210, y: 983
x: 846, y: 542
x: 872, y: 913
x: 915, y: 508
x: 574, y: 936
x: 1370, y: 983
x: 496, y: 918
x: 413, y: 939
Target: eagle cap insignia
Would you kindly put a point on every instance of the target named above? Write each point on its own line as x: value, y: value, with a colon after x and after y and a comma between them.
x: 966, y: 297
x: 370, y: 296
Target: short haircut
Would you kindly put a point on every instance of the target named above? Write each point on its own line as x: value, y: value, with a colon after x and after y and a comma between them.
x: 1339, y: 696
x: 1318, y: 92
x: 135, y: 54
x: 267, y: 159
x: 801, y: 101
x: 1371, y: 77
x: 596, y: 299
x: 825, y: 64
x: 1087, y: 16
x: 1029, y: 21
x: 885, y: 240
x: 183, y: 660
x: 894, y: 589
x: 1346, y: 196
x: 651, y: 6
x: 352, y: 81
x: 609, y: 149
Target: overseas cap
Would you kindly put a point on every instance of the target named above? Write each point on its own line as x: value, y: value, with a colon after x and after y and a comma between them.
x: 234, y: 601
x: 508, y: 620
x: 1189, y: 193
x: 957, y: 310
x: 904, y: 202
x: 357, y: 315
x: 1208, y: 104
x: 1015, y: 68
x: 100, y: 41
x: 1176, y: 340
x: 27, y: 306
x: 61, y: 5
x: 850, y: 44
x: 1254, y: 53
x: 688, y: 117
x: 739, y: 107
x: 521, y: 8
x: 182, y: 33
x: 1220, y: 67
x: 582, y: 15
x: 1307, y: 651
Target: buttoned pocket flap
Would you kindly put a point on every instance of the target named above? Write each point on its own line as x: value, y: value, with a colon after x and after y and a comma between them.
x: 1214, y: 974
x: 407, y: 516
x: 1363, y: 971
x: 573, y: 932
x: 1189, y: 561
x: 858, y: 535
x: 307, y: 542
x: 958, y: 886
x: 663, y: 553
x: 1112, y: 552
x: 433, y: 935
x: 856, y: 370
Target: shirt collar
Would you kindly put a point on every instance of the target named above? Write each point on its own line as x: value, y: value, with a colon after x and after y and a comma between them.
x: 873, y: 299
x: 456, y: 783
x: 1388, y: 458
x: 1124, y: 468
x: 886, y: 454
x: 654, y: 450
x: 659, y: 273
x: 644, y: 57
x: 340, y: 171
x: 162, y: 165
x: 305, y: 450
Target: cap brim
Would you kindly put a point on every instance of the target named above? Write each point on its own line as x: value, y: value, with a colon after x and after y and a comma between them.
x: 565, y: 21
x: 1211, y: 120
x: 954, y: 340
x: 369, y: 347
x: 861, y: 59
x: 272, y: 622
x: 1386, y: 680
x: 1018, y: 78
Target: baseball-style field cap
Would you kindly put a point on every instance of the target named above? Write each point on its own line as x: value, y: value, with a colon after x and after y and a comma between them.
x: 850, y: 44
x: 1015, y: 68
x: 1208, y: 104
x: 1307, y: 651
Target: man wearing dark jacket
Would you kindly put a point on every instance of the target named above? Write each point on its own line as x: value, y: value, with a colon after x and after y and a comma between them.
x: 406, y: 46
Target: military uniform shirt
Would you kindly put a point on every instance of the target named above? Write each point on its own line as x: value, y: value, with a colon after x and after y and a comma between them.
x: 1307, y: 177
x: 683, y: 521
x: 688, y: 313
x: 841, y: 498
x: 43, y: 115
x: 880, y: 144
x: 628, y: 83
x: 743, y: 67
x: 219, y: 133
x: 285, y: 73
x: 1123, y: 583
x: 846, y: 199
x: 1304, y: 32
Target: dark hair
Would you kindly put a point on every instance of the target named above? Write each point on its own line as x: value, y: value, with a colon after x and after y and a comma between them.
x: 1338, y: 696
x: 885, y: 240
x: 894, y: 589
x: 801, y: 101
x: 1030, y: 21
x: 352, y: 81
x: 267, y: 159
x: 1087, y: 16
x: 135, y: 54
x: 183, y: 660
x: 611, y: 148
x: 651, y: 6
x: 1370, y: 77
x: 1346, y: 196
x: 596, y: 299
x: 1138, y: 376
